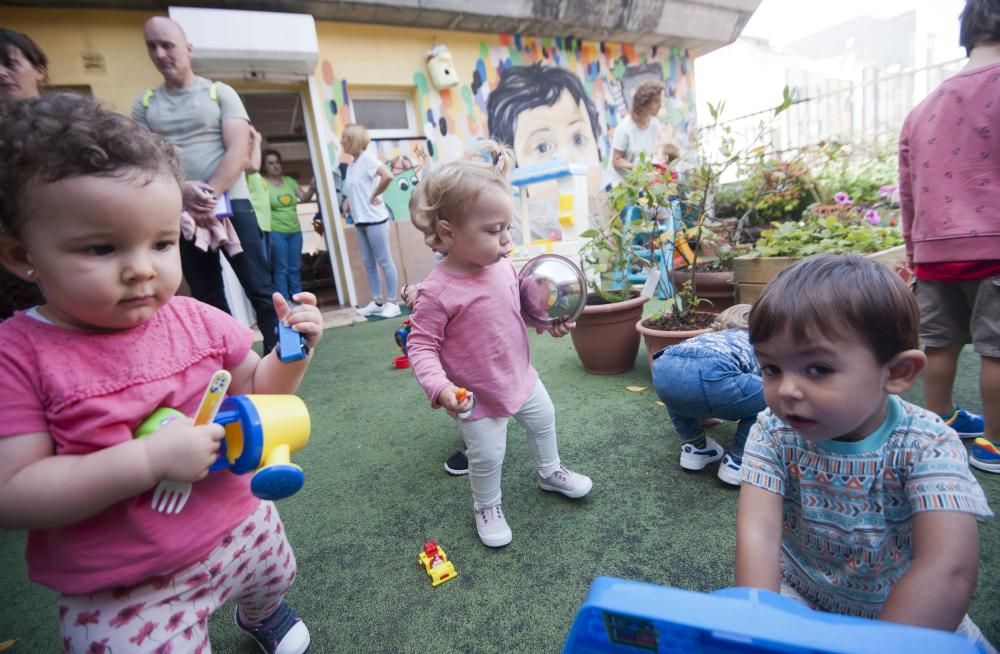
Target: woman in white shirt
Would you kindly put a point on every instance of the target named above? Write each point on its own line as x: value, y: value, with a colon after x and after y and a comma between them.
x: 366, y: 179
x: 639, y: 132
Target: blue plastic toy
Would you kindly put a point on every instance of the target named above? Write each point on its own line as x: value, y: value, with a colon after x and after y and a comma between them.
x: 291, y: 344
x: 629, y: 617
x: 401, y: 334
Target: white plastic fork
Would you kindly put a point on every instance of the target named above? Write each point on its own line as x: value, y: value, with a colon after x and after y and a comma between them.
x: 171, y: 496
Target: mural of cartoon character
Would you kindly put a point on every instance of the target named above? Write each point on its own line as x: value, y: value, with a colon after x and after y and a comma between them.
x: 405, y: 178
x: 543, y: 112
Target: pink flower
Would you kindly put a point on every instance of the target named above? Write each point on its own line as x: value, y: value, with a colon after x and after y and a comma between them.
x: 127, y: 614
x: 842, y: 198
x: 887, y: 190
x: 872, y: 216
x: 144, y: 633
x: 84, y: 618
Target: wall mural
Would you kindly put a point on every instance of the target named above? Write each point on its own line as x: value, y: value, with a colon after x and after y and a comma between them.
x: 547, y: 97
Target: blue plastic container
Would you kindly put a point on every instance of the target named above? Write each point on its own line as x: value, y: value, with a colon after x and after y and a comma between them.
x: 630, y: 617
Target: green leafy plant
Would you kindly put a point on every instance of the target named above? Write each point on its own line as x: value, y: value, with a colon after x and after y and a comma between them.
x: 835, y: 234
x: 646, y: 194
x: 610, y: 252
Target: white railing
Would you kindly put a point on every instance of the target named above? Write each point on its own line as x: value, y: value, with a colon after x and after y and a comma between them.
x: 869, y: 113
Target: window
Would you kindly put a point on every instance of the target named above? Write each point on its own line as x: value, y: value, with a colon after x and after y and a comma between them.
x: 385, y: 114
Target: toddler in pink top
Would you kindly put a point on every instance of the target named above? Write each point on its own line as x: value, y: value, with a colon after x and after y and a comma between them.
x: 467, y: 331
x: 89, y: 211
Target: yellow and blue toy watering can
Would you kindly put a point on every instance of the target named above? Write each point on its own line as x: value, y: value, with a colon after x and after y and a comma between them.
x: 262, y: 431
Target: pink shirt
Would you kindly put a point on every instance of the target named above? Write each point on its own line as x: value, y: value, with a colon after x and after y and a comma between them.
x: 949, y: 170
x: 468, y: 329
x: 91, y: 391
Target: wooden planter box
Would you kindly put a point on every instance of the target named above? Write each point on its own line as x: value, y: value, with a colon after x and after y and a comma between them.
x: 751, y: 274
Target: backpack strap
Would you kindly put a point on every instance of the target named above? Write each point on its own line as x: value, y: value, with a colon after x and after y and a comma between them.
x: 213, y: 93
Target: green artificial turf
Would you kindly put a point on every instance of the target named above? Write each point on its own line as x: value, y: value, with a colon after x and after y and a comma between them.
x: 376, y: 490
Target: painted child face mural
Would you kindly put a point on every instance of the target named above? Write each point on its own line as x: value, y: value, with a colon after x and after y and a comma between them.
x: 560, y: 130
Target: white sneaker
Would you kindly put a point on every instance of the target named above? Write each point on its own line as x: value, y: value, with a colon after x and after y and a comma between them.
x: 390, y: 310
x: 693, y: 458
x: 730, y: 471
x: 370, y: 309
x: 565, y: 481
x: 492, y: 526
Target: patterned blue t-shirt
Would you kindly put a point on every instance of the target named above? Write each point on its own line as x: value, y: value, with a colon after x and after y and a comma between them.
x: 848, y: 507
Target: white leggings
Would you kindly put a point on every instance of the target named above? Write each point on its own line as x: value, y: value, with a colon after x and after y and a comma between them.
x: 486, y: 442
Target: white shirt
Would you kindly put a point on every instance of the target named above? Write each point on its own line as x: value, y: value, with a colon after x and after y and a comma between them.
x: 360, y: 182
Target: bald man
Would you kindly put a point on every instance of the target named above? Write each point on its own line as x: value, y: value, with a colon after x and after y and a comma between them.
x: 208, y: 124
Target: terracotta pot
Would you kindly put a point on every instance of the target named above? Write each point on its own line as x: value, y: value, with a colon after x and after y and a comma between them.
x: 657, y: 339
x: 718, y: 287
x: 605, y: 339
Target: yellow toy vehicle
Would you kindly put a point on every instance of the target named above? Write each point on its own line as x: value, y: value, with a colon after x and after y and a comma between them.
x: 436, y: 563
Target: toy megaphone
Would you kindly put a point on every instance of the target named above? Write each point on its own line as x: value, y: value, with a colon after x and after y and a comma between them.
x: 261, y: 433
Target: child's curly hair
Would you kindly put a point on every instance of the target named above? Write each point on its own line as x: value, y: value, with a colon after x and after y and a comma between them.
x: 448, y: 191
x: 646, y: 95
x: 60, y: 135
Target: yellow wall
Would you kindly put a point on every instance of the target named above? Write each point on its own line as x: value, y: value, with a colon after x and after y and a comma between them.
x: 65, y: 35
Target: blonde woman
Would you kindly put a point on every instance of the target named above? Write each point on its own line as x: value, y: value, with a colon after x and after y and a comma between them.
x: 367, y: 178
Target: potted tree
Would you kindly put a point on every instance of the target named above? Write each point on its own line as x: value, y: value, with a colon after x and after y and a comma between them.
x: 687, y: 316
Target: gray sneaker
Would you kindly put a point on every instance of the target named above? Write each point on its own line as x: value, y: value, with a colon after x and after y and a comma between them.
x: 492, y: 527
x: 567, y: 482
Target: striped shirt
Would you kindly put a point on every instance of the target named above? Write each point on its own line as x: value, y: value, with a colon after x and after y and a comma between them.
x: 848, y: 507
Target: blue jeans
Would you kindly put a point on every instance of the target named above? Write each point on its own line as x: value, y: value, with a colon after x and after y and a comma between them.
x: 699, y: 387
x: 286, y: 263
x: 373, y: 241
x: 203, y: 272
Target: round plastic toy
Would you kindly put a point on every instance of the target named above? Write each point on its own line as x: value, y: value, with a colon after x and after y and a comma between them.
x: 553, y: 289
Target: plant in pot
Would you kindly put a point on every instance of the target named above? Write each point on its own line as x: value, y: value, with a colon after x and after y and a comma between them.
x: 605, y: 338
x: 687, y: 316
x: 848, y: 228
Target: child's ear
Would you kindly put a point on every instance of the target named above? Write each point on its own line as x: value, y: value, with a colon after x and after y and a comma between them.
x: 904, y: 368
x: 446, y: 233
x: 15, y: 258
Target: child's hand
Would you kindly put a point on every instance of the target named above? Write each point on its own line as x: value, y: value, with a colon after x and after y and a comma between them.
x: 558, y: 329
x: 180, y: 451
x: 305, y: 317
x: 456, y: 402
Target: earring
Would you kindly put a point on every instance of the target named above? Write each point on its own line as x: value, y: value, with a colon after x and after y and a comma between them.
x: 30, y: 272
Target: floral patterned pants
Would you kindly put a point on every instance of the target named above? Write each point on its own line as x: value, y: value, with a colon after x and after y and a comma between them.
x: 254, y: 565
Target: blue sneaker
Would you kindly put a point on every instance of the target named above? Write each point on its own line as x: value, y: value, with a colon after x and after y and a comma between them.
x: 968, y: 425
x: 282, y: 632
x: 985, y: 456
x: 693, y: 458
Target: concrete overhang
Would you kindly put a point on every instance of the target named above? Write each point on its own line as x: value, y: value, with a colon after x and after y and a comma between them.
x: 699, y: 26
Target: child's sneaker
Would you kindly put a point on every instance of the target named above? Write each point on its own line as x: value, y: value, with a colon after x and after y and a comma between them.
x: 968, y: 425
x: 694, y: 458
x: 280, y: 633
x: 731, y: 471
x: 370, y: 309
x: 565, y: 481
x: 985, y: 456
x: 492, y: 526
x: 457, y: 464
